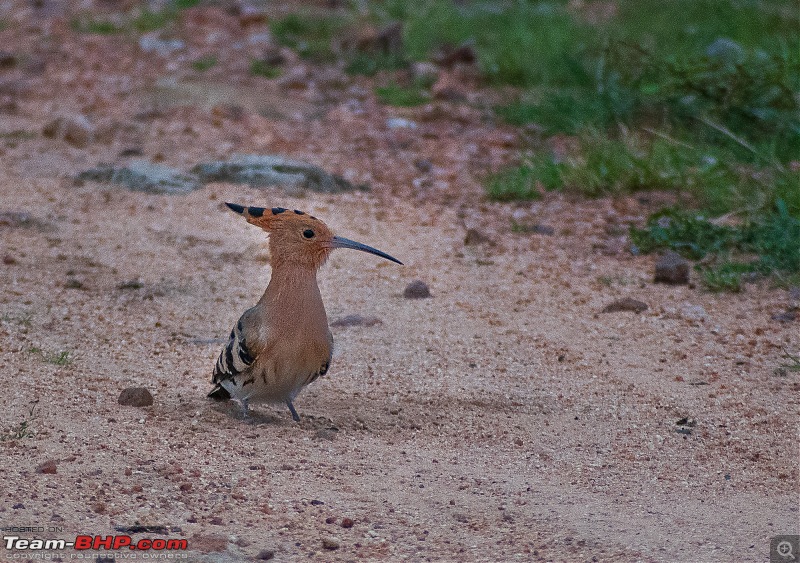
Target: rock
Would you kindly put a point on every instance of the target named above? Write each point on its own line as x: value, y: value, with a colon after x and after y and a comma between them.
x: 265, y: 555
x: 18, y: 506
x: 151, y: 43
x: 211, y: 543
x: 357, y: 320
x: 400, y: 123
x: 251, y: 15
x: 273, y: 55
x: 388, y: 39
x: 16, y: 219
x: 417, y: 289
x: 693, y: 312
x: 672, y: 268
x: 296, y: 79
x: 267, y: 170
x: 7, y: 59
x: 475, y: 237
x: 47, y: 467
x: 537, y: 229
x: 327, y: 434
x: 144, y: 176
x: 624, y: 305
x: 450, y: 55
x: 794, y: 299
x: 423, y: 165
x: 330, y: 543
x: 449, y: 88
x: 424, y: 73
x: 613, y: 246
x: 75, y: 130
x: 788, y: 316
x: 726, y: 50
x: 347, y: 523
x: 135, y: 397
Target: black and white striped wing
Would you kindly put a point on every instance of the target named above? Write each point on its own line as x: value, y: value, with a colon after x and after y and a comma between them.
x: 237, y: 356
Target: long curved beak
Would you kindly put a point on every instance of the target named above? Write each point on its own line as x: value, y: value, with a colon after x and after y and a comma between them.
x: 341, y: 242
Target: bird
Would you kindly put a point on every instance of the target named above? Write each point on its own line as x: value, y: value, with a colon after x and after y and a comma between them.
x: 283, y: 343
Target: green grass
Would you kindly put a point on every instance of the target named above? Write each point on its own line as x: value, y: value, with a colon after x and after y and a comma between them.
x: 311, y: 36
x: 766, y: 245
x: 23, y: 319
x: 143, y: 20
x: 23, y: 429
x: 402, y: 96
x: 259, y: 67
x: 369, y: 64
x: 514, y: 184
x: 793, y: 361
x: 148, y: 20
x: 204, y: 63
x: 99, y: 27
x: 60, y: 358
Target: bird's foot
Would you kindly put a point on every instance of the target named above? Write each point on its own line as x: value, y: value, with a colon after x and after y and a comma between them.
x: 295, y: 416
x: 245, y: 408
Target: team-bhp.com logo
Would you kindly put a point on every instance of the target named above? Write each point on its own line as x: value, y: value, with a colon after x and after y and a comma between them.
x: 95, y: 543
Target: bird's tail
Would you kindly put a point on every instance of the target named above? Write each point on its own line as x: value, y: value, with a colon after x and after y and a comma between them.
x: 219, y: 393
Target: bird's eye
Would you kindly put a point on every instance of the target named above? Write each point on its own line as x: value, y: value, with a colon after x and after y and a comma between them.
x: 308, y: 233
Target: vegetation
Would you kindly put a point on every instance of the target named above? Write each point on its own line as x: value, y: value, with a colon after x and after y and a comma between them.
x: 311, y: 36
x: 259, y: 67
x: 767, y: 245
x: 698, y: 97
x: 60, y: 358
x: 91, y: 25
x: 139, y: 21
x: 703, y: 104
x: 403, y: 96
x: 204, y: 63
x: 23, y: 429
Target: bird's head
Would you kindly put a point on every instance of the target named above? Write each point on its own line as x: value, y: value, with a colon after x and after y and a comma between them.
x: 298, y: 238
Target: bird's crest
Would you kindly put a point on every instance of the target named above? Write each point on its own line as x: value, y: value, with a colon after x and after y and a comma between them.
x: 297, y: 237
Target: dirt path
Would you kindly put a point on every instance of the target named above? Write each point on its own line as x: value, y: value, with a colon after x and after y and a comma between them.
x: 504, y: 418
x: 500, y: 419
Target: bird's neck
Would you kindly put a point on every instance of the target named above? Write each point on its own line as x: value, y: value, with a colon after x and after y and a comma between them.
x: 292, y: 287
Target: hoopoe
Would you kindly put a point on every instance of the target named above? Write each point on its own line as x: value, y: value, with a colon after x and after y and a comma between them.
x: 283, y: 343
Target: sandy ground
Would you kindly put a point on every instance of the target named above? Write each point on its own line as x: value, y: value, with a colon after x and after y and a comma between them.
x: 504, y: 418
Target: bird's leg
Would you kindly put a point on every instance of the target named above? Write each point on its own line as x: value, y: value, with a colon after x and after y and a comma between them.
x: 245, y: 408
x: 295, y: 416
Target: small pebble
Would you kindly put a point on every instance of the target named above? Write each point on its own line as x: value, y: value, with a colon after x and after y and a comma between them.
x: 417, y: 289
x: 357, y: 320
x: 265, y: 555
x: 347, y: 523
x: 475, y: 237
x: 624, y: 305
x: 672, y: 268
x: 330, y: 543
x: 135, y: 397
x: 48, y: 466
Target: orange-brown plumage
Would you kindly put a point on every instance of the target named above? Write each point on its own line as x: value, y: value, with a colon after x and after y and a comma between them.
x: 283, y: 343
